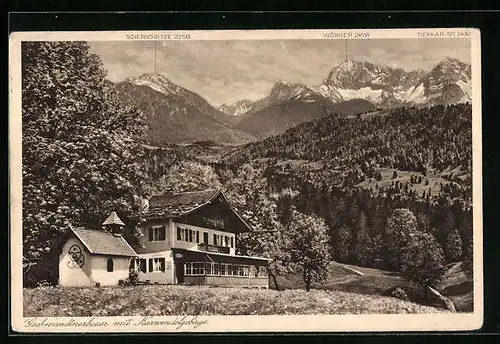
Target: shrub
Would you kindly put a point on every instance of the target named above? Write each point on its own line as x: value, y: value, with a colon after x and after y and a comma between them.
x: 133, y: 279
x: 399, y: 294
x: 400, y: 224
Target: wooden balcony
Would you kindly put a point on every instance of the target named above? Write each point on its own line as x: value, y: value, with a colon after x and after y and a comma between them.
x: 213, y: 248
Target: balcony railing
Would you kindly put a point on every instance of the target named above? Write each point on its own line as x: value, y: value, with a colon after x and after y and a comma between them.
x: 213, y: 248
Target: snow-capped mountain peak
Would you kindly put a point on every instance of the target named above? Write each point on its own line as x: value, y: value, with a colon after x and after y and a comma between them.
x: 156, y: 81
x: 388, y: 86
x: 238, y: 108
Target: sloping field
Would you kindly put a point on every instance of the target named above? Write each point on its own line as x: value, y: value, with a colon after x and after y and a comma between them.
x: 432, y: 182
x: 343, y: 278
x: 455, y: 284
x: 184, y: 300
x: 459, y: 287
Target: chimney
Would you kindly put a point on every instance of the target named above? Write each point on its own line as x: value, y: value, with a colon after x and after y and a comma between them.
x: 113, y: 223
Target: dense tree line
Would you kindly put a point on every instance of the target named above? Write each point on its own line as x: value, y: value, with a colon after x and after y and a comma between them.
x: 358, y: 223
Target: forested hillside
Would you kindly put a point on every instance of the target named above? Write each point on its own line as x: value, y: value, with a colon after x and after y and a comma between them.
x: 427, y: 140
x: 406, y: 138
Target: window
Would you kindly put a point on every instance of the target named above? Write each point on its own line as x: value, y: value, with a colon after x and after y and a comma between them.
x: 218, y: 240
x: 226, y: 241
x: 262, y: 271
x: 241, y: 270
x: 110, y: 265
x: 194, y: 269
x: 189, y: 235
x: 157, y: 264
x: 213, y: 223
x: 254, y: 271
x: 226, y: 269
x: 157, y: 233
x: 212, y: 269
x: 140, y: 265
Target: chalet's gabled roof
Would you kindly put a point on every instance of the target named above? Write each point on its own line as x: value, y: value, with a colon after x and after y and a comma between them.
x: 179, y: 204
x: 100, y: 242
x: 176, y: 204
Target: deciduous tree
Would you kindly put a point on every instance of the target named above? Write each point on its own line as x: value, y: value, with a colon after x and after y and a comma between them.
x: 399, y: 226
x: 422, y: 260
x: 309, y: 248
x: 80, y: 158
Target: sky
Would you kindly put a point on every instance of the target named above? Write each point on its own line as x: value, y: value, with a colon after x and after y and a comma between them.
x: 228, y: 71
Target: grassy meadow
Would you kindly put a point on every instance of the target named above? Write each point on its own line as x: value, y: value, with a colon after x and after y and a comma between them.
x: 156, y: 300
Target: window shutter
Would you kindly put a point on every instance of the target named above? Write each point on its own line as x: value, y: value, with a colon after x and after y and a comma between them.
x: 150, y: 265
x: 150, y: 234
x: 162, y: 233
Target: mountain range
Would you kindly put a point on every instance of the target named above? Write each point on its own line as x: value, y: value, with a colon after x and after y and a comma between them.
x: 447, y: 83
x: 177, y: 115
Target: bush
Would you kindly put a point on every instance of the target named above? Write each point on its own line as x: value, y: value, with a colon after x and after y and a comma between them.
x: 133, y: 279
x: 399, y: 294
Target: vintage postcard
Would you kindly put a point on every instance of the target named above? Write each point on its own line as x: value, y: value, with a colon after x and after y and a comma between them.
x: 246, y: 181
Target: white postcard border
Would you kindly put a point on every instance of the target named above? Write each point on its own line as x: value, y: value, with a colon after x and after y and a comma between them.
x: 278, y: 323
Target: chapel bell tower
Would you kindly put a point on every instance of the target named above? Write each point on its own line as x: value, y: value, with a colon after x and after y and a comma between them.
x: 113, y: 223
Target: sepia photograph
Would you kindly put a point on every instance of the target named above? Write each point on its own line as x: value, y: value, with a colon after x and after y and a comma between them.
x: 196, y: 176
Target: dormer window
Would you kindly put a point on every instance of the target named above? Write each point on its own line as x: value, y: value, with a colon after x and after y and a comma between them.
x: 157, y: 233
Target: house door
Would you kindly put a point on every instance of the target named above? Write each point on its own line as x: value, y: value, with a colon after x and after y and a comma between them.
x: 179, y: 272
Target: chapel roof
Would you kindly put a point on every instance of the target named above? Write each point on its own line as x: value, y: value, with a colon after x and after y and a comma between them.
x: 102, y: 242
